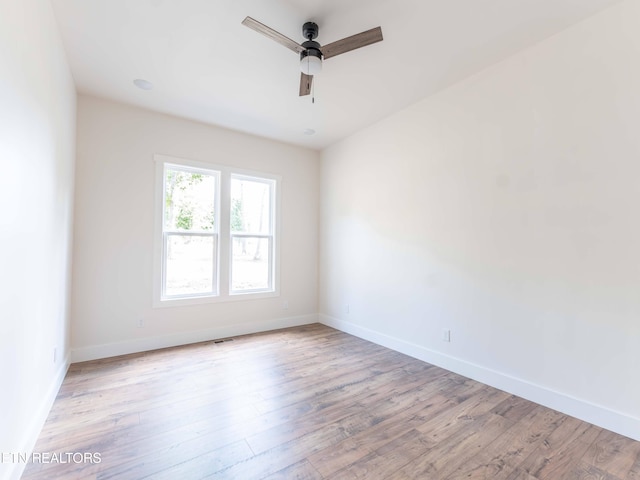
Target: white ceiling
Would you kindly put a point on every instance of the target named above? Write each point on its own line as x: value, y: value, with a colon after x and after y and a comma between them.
x: 206, y: 66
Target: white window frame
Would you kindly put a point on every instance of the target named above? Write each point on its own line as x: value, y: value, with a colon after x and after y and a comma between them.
x: 214, y: 234
x: 223, y: 228
x: 270, y: 236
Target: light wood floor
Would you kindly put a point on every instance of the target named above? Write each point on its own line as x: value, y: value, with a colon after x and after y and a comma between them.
x: 310, y: 403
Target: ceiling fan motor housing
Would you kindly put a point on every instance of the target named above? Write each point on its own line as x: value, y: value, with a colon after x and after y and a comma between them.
x: 311, y: 48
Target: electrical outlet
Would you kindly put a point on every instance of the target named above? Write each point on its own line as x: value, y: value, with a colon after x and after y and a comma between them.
x: 446, y: 335
x: 140, y: 323
x: 55, y: 354
x: 347, y: 308
x: 285, y: 305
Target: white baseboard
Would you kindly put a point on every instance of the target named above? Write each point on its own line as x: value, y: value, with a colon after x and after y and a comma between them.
x: 32, y: 432
x: 95, y: 352
x: 596, y: 414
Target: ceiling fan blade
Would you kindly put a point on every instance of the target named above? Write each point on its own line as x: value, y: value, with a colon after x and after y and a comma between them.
x: 351, y: 43
x: 305, y: 84
x: 272, y: 34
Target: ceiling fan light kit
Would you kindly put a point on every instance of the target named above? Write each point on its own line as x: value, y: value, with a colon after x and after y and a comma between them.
x: 311, y: 62
x: 311, y: 52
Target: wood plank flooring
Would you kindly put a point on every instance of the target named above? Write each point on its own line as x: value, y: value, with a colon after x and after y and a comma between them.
x: 310, y: 403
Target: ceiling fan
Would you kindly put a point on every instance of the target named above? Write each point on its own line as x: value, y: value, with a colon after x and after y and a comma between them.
x: 311, y: 52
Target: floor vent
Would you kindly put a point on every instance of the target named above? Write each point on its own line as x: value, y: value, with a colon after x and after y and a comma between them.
x: 223, y: 340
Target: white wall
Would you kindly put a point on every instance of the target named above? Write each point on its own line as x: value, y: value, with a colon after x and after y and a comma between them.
x: 506, y: 210
x: 37, y: 143
x: 114, y: 231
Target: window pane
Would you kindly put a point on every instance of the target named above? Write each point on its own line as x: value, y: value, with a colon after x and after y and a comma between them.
x: 250, y: 268
x: 250, y: 206
x: 189, y: 264
x: 189, y: 200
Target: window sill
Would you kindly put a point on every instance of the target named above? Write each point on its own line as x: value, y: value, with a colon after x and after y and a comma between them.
x: 206, y: 300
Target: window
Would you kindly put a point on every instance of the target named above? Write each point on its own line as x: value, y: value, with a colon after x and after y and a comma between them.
x: 251, y: 234
x: 216, y: 233
x: 189, y: 232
